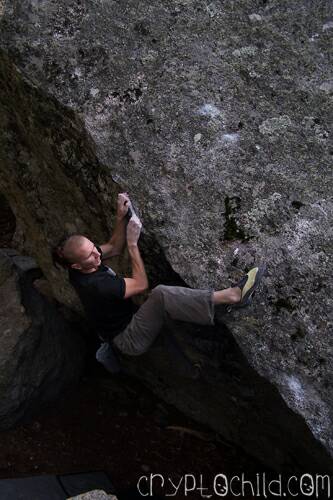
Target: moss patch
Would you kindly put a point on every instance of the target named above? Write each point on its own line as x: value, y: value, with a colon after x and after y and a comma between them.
x: 232, y: 231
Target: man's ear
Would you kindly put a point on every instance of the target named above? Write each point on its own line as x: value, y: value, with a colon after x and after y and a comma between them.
x: 76, y: 266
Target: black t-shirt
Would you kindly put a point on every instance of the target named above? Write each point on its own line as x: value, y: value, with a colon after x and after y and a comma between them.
x: 102, y: 296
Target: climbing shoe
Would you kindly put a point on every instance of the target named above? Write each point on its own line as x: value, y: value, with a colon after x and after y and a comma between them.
x: 248, y: 285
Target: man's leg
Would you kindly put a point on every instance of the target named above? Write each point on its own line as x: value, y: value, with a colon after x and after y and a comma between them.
x: 179, y: 303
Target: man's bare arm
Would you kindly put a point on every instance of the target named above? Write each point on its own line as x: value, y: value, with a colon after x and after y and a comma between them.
x: 116, y: 244
x: 139, y: 281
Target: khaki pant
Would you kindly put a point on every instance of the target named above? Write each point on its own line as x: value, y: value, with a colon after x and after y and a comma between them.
x: 175, y: 302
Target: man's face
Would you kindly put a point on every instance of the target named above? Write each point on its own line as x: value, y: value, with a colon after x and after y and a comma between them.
x: 86, y: 256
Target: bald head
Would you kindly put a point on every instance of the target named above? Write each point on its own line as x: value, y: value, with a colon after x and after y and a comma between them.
x: 75, y: 247
x: 81, y: 253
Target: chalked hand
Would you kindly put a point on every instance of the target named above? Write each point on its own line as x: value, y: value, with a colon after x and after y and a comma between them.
x: 133, y: 230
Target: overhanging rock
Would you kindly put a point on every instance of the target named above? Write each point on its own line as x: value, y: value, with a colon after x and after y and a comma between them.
x: 216, y: 119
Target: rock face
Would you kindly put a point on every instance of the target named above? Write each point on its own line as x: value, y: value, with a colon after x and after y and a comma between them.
x: 40, y: 354
x: 216, y: 119
x: 94, y: 495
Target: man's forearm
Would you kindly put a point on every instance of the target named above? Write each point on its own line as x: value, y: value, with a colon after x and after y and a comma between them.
x: 118, y: 238
x: 138, y: 267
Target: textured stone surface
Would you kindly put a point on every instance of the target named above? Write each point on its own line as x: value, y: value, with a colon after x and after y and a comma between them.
x: 40, y: 355
x: 94, y: 495
x: 216, y: 118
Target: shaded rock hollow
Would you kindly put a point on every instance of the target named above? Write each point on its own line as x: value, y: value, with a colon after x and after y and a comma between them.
x: 216, y: 119
x: 41, y: 355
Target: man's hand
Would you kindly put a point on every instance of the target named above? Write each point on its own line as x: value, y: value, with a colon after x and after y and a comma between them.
x: 123, y: 203
x: 133, y: 230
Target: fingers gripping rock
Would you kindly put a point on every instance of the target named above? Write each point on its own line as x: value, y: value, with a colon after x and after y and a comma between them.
x: 133, y: 229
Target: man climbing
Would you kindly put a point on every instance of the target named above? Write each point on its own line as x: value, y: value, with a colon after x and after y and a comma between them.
x: 106, y: 297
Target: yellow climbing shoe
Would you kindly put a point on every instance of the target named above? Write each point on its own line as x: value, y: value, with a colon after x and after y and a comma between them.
x: 248, y: 284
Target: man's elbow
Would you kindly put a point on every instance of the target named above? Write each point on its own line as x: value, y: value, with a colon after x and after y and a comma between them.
x: 134, y: 286
x: 145, y: 286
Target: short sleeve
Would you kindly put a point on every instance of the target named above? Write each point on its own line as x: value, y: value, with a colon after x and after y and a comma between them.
x: 111, y: 286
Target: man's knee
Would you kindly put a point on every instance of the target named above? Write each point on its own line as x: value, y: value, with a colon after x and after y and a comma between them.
x: 126, y: 350
x: 159, y: 290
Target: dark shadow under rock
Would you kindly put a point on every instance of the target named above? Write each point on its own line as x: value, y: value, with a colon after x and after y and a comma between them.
x: 41, y: 353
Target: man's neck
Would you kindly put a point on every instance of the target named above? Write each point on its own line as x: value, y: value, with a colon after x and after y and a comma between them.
x: 89, y: 271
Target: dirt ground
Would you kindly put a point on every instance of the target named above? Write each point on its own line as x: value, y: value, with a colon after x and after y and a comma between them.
x: 113, y: 423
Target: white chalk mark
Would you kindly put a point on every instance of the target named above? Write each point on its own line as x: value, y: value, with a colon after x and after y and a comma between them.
x: 209, y: 110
